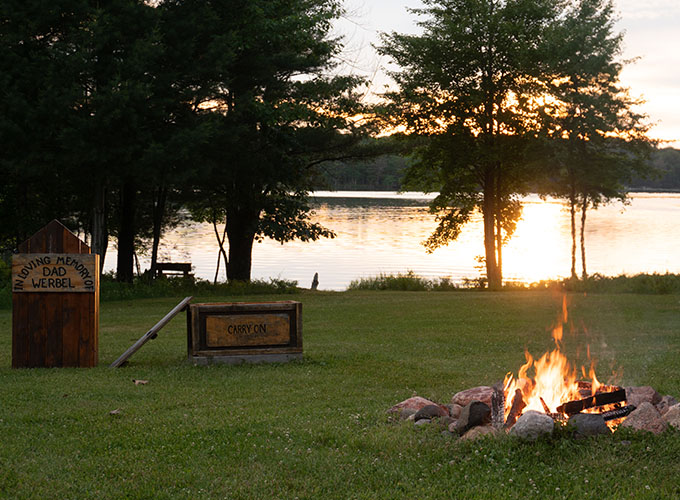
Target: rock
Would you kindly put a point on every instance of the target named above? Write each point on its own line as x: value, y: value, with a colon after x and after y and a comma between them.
x: 422, y: 422
x: 446, y: 421
x: 407, y: 413
x: 531, y: 425
x: 479, y: 431
x: 430, y: 412
x: 482, y: 393
x: 587, y: 424
x: 474, y: 414
x: 672, y: 416
x: 665, y: 404
x: 638, y: 395
x: 454, y: 410
x: 453, y: 428
x: 646, y: 418
x: 415, y: 403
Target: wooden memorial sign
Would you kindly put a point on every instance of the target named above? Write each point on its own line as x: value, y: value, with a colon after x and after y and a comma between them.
x: 245, y: 332
x: 55, y: 301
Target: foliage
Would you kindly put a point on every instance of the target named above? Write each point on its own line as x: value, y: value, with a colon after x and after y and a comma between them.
x: 650, y: 284
x: 274, y: 111
x: 115, y: 113
x: 407, y: 282
x: 318, y: 428
x: 174, y: 287
x: 655, y: 284
x: 470, y: 84
x: 598, y: 141
x: 482, y: 88
x: 666, y: 164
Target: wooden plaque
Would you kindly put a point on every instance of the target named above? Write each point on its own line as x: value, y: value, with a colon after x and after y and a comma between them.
x: 245, y: 332
x: 53, y: 272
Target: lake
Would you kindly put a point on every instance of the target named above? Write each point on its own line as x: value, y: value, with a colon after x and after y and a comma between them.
x: 382, y: 232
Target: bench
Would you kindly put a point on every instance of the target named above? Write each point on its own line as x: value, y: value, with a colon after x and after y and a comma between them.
x: 173, y: 268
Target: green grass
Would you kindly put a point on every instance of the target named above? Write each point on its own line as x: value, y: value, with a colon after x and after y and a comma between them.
x: 318, y: 428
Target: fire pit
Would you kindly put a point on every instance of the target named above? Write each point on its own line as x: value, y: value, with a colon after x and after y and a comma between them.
x: 556, y: 394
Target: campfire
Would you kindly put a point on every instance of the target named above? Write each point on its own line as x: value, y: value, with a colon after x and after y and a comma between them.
x: 556, y: 388
x: 547, y: 391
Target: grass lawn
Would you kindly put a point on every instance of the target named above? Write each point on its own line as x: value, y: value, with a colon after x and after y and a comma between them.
x: 318, y: 428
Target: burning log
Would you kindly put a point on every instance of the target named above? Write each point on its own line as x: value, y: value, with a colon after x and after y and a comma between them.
x: 603, y: 398
x: 545, y: 406
x: 518, y: 405
x: 618, y: 413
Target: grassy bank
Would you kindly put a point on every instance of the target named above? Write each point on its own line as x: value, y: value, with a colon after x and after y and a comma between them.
x: 318, y: 428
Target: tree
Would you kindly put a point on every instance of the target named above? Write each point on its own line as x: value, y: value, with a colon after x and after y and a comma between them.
x: 261, y: 87
x: 599, y: 142
x: 470, y: 85
x: 38, y: 79
x: 93, y: 119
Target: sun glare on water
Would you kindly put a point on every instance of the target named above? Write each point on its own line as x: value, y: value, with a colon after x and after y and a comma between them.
x: 536, y: 250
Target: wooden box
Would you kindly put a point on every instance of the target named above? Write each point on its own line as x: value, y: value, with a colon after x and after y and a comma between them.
x: 245, y: 332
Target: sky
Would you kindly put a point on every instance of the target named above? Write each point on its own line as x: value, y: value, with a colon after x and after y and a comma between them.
x: 652, y: 38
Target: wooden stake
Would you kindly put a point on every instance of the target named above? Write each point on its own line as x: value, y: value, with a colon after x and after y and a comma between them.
x: 151, y: 334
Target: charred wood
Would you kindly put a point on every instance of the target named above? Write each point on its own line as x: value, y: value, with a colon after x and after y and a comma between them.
x: 603, y: 398
x: 545, y: 406
x: 518, y: 405
x: 618, y: 413
x: 498, y: 405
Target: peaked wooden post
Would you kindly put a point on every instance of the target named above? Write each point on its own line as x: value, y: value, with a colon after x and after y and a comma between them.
x: 55, y: 301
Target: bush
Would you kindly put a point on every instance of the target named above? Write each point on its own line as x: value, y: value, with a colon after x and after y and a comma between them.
x: 174, y: 287
x: 402, y: 282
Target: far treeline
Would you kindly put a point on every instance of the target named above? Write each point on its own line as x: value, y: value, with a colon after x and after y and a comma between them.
x: 115, y: 116
x: 386, y: 173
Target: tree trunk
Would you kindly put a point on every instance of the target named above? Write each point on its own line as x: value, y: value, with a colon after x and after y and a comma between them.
x: 572, y: 208
x: 126, y: 233
x: 489, y: 209
x: 160, y: 198
x: 584, y: 209
x: 99, y: 233
x: 220, y: 252
x: 499, y: 227
x: 241, y: 229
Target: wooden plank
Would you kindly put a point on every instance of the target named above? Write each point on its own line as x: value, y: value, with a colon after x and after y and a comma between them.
x: 36, y: 329
x: 195, y: 331
x: 54, y: 330
x: 189, y: 335
x: 86, y: 355
x: 298, y: 319
x: 241, y: 359
x: 19, y: 330
x: 249, y: 351
x: 71, y: 329
x: 152, y: 333
x: 288, y: 305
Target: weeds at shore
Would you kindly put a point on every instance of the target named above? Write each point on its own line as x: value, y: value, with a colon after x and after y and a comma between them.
x: 654, y: 284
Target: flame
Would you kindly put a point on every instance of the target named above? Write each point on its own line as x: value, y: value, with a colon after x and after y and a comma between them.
x: 555, y: 380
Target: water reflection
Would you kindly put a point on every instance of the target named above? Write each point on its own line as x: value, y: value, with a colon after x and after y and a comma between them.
x: 383, y: 233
